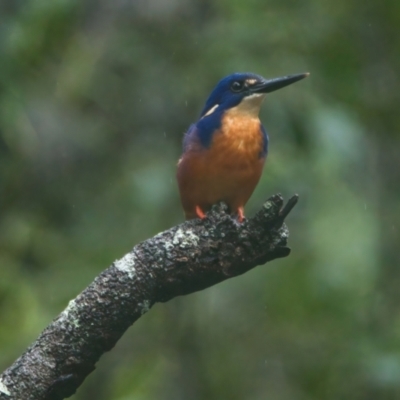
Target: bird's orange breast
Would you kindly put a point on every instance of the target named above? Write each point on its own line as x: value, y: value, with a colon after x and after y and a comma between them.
x: 228, y: 170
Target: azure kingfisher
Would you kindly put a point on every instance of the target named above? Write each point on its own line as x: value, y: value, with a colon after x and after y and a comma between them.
x: 225, y: 150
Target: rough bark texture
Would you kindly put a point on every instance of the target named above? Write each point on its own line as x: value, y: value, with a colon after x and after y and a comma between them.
x: 189, y: 257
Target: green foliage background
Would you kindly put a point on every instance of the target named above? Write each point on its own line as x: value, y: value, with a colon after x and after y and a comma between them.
x: 94, y: 99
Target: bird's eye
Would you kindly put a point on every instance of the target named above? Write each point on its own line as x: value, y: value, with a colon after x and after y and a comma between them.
x: 237, y: 86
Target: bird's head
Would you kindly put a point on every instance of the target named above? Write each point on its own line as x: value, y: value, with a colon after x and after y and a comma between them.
x: 245, y: 91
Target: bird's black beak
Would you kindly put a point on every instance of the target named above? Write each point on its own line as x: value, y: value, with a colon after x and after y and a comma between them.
x: 270, y: 85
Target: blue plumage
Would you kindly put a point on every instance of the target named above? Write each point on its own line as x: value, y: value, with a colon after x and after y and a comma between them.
x: 264, y: 150
x: 208, y: 125
x: 223, y: 95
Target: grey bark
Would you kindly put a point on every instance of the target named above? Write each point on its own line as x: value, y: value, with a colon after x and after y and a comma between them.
x: 189, y: 257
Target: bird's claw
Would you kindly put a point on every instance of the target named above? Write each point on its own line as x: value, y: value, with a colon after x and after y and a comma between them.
x: 199, y: 212
x: 241, y: 216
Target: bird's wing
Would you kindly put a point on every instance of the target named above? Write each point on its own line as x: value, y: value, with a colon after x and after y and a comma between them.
x: 191, y: 139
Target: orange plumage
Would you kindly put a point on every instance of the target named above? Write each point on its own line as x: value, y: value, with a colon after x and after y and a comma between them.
x: 228, y: 170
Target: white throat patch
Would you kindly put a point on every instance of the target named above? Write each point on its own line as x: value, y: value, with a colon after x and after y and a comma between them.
x: 250, y: 105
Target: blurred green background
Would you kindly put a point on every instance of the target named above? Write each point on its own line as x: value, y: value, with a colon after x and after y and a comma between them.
x: 94, y: 99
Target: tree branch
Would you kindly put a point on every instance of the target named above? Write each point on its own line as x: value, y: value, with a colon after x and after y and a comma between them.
x: 189, y: 257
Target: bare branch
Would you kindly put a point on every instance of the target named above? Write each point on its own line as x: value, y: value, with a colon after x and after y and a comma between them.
x: 189, y: 257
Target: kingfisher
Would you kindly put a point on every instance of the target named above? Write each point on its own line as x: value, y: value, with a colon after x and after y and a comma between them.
x: 225, y: 150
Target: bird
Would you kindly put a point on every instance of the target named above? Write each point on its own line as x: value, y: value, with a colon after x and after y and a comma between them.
x: 225, y: 150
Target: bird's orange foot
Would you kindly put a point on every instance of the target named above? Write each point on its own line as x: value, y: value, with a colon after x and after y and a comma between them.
x: 240, y: 212
x: 200, y: 213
